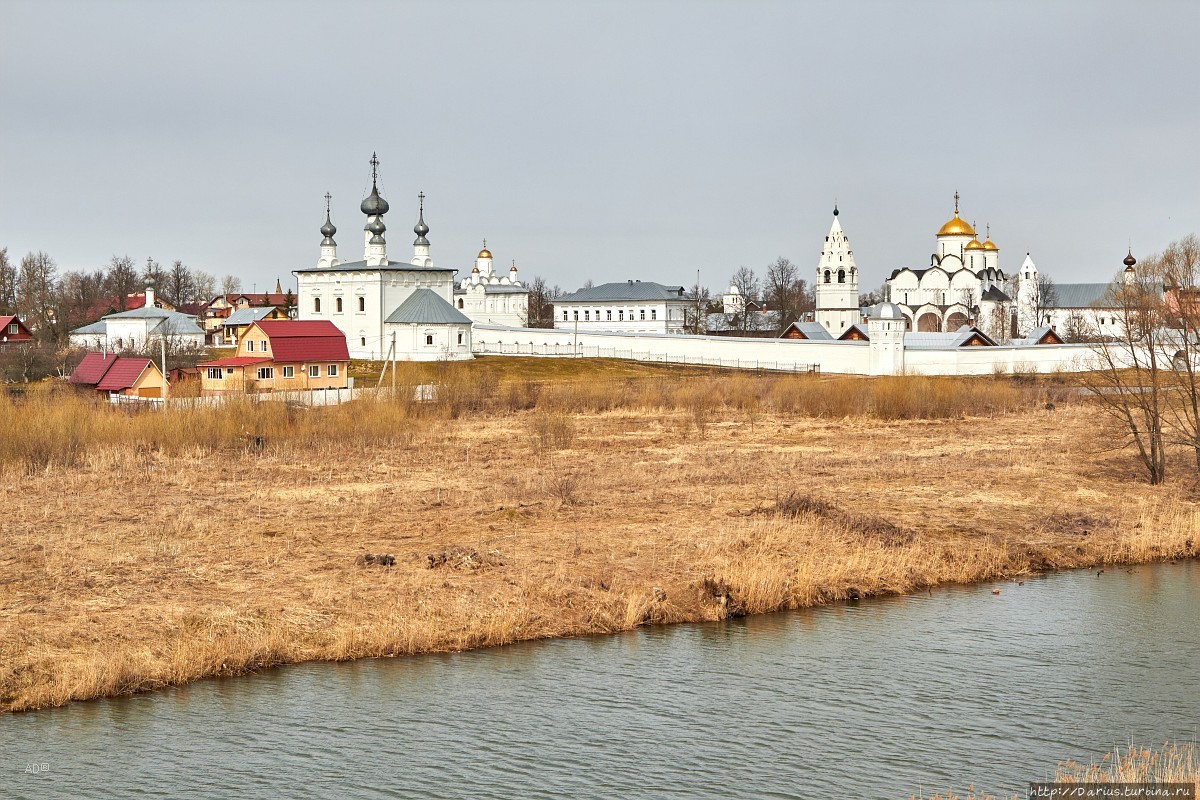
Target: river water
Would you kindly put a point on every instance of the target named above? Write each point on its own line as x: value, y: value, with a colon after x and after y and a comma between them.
x: 881, y: 698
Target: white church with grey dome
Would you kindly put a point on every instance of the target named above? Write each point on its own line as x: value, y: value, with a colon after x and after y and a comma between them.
x: 379, y: 304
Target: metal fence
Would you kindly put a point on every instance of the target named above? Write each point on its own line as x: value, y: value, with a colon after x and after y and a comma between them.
x: 583, y: 351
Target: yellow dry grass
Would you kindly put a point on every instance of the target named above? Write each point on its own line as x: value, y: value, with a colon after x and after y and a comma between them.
x: 1173, y: 762
x: 160, y: 549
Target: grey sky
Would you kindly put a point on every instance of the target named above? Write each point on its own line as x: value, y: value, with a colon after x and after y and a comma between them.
x: 597, y: 140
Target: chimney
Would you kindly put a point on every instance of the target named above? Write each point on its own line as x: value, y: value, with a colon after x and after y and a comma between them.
x: 1054, y: 328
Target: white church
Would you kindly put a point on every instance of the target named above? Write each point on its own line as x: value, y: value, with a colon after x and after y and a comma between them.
x: 383, y: 305
x: 488, y: 297
x: 963, y: 284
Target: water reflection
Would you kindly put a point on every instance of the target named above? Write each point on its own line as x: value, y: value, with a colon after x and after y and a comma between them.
x: 879, y: 698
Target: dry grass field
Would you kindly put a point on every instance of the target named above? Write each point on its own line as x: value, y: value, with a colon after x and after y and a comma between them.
x: 148, y: 549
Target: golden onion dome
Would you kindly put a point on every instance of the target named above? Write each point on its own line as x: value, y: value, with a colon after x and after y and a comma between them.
x: 990, y: 245
x: 484, y: 253
x: 974, y: 244
x: 956, y: 227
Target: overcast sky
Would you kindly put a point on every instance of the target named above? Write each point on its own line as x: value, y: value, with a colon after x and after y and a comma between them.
x: 603, y: 141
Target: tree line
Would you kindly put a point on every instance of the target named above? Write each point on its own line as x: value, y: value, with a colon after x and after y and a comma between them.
x: 53, y: 304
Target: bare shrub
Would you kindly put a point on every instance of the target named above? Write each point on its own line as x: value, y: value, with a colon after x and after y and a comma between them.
x: 551, y: 430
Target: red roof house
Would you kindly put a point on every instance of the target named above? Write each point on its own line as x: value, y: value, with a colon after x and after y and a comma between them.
x: 119, y: 376
x: 13, y: 331
x: 281, y: 355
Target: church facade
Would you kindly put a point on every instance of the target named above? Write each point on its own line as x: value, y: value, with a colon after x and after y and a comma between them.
x: 488, y: 297
x: 963, y: 284
x: 382, y: 305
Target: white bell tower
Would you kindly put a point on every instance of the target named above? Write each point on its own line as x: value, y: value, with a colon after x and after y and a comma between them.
x: 837, y: 281
x: 1027, y: 298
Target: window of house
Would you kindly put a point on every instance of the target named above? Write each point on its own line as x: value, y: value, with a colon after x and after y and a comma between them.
x: 587, y: 316
x: 460, y: 302
x: 460, y: 337
x: 429, y: 338
x: 564, y: 315
x: 333, y: 370
x: 214, y: 374
x: 314, y: 371
x: 289, y: 372
x: 266, y: 373
x: 337, y: 303
x: 642, y: 314
x: 263, y: 345
x: 364, y: 341
x: 229, y: 370
x: 362, y: 304
x: 654, y: 313
x: 12, y: 328
x: 577, y: 316
x: 608, y: 315
x: 249, y: 345
x: 621, y: 316
x: 316, y: 305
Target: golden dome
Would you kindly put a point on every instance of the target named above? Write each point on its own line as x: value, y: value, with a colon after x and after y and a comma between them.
x: 484, y: 253
x: 956, y: 227
x: 974, y: 244
x: 990, y: 245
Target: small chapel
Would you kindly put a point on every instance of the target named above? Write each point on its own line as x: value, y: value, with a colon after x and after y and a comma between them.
x: 387, y: 309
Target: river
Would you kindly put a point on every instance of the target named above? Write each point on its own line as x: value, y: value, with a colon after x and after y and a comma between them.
x: 880, y: 698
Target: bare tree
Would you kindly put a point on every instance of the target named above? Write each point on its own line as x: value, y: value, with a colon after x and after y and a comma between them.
x: 8, y: 284
x: 1045, y: 299
x: 78, y: 295
x: 177, y: 284
x: 1179, y: 265
x: 204, y: 285
x: 122, y: 279
x: 37, y: 282
x: 748, y: 286
x: 231, y: 284
x: 1129, y: 384
x: 539, y: 313
x: 695, y: 314
x: 785, y: 291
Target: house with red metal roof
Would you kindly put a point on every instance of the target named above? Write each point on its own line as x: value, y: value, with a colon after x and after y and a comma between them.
x: 13, y: 332
x: 119, y: 376
x: 281, y: 355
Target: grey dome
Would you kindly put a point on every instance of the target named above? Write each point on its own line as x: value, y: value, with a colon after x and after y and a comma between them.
x: 420, y: 229
x: 374, y: 204
x: 887, y: 311
x: 328, y: 230
x: 376, y: 227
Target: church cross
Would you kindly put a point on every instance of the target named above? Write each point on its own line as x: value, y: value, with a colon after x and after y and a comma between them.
x: 374, y: 167
x: 328, y: 197
x: 421, y: 197
x: 956, y: 202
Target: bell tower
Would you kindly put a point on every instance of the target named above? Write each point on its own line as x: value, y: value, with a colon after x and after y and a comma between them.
x: 837, y: 281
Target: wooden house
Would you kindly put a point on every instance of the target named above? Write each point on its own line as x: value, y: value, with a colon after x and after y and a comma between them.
x: 119, y: 376
x: 14, y: 332
x: 281, y: 355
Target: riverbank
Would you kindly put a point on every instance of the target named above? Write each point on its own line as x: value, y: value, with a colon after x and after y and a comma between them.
x: 138, y: 568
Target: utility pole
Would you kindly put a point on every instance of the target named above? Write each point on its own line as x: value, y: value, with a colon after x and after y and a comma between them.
x: 576, y: 346
x: 162, y: 342
x: 393, y: 364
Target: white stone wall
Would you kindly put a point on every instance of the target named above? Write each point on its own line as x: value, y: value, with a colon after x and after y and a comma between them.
x: 852, y: 358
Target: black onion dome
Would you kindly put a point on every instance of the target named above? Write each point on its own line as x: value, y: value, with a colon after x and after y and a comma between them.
x: 374, y: 205
x: 1129, y: 260
x: 376, y: 227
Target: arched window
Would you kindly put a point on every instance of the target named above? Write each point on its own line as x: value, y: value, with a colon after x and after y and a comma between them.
x: 827, y: 276
x: 362, y: 304
x: 429, y: 338
x: 460, y: 302
x: 338, y: 305
x: 841, y: 276
x: 316, y: 305
x: 364, y: 341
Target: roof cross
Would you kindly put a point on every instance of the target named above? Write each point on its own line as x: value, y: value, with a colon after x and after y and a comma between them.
x: 328, y: 197
x: 956, y: 202
x: 374, y: 167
